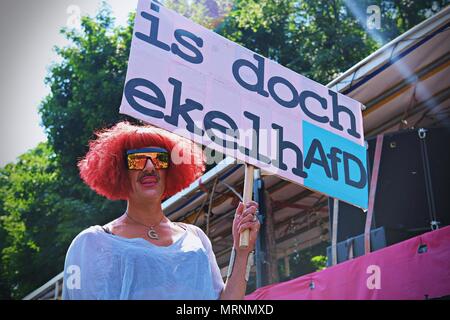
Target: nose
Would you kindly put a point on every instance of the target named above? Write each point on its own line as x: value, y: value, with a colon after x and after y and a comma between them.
x: 149, y: 166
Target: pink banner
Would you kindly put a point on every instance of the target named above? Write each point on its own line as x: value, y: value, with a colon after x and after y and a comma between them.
x: 416, y: 269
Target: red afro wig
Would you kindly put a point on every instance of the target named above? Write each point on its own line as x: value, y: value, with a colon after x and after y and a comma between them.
x: 104, y: 169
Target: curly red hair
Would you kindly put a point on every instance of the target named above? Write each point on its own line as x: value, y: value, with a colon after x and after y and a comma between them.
x: 104, y: 170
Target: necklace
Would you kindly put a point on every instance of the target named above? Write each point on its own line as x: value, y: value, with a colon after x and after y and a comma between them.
x: 152, y: 234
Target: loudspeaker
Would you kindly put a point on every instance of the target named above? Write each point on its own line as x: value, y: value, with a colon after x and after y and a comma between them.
x: 354, y: 247
x: 413, y: 189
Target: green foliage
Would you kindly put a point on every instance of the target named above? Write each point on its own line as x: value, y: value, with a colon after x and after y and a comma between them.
x: 86, y: 86
x: 28, y: 219
x: 398, y: 16
x: 205, y: 12
x: 319, y: 262
x: 319, y: 38
x: 38, y: 220
x: 303, y: 262
x: 44, y: 203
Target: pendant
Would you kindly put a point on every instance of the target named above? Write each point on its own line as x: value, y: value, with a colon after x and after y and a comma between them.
x: 152, y: 234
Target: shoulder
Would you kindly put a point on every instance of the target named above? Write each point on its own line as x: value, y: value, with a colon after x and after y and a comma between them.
x: 89, y: 246
x: 92, y: 232
x: 193, y: 228
x: 200, y: 234
x: 88, y: 237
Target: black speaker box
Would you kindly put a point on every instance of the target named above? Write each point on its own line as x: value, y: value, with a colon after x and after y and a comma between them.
x: 413, y: 189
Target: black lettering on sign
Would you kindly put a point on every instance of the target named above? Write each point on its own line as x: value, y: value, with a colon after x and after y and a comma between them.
x: 323, y: 103
x: 337, y: 109
x: 361, y: 183
x: 132, y: 92
x: 231, y: 130
x: 254, y: 152
x: 180, y: 36
x: 283, y: 145
x: 258, y: 70
x: 152, y: 38
x: 182, y: 110
x: 321, y: 161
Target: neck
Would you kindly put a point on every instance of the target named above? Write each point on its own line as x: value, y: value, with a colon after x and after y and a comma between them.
x: 147, y: 212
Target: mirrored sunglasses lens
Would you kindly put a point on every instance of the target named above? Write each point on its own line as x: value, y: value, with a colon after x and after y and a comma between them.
x: 136, y: 162
x: 162, y: 160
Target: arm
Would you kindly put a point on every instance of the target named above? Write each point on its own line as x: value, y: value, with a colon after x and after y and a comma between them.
x: 244, y: 219
x: 83, y: 268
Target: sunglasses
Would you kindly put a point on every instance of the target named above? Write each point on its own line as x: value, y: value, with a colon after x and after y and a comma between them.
x: 137, y: 158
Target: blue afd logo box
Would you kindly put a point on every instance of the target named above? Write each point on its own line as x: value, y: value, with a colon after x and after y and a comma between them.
x: 335, y: 166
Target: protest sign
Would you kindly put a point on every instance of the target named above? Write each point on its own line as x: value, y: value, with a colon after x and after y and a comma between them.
x: 191, y: 81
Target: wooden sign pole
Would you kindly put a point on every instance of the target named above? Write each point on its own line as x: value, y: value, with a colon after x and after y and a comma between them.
x: 247, y: 196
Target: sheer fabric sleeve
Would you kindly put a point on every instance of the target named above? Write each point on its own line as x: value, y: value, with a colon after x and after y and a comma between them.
x: 218, y: 283
x: 83, y: 268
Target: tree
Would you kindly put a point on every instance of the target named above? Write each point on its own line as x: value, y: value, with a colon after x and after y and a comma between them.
x: 44, y: 203
x: 86, y: 91
x: 397, y: 16
x: 319, y: 38
x: 86, y: 87
x: 29, y: 221
x: 208, y: 13
x: 38, y: 220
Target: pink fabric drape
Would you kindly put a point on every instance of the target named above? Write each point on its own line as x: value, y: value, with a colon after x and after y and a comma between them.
x: 396, y: 272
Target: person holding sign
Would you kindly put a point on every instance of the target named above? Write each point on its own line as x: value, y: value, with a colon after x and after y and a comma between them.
x: 142, y: 254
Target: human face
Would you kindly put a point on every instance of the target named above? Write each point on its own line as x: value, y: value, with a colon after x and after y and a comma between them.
x: 148, y: 183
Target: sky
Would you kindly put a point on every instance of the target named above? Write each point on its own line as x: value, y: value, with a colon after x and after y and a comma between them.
x: 29, y: 30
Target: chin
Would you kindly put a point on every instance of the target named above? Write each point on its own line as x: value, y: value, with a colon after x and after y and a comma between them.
x: 151, y: 193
